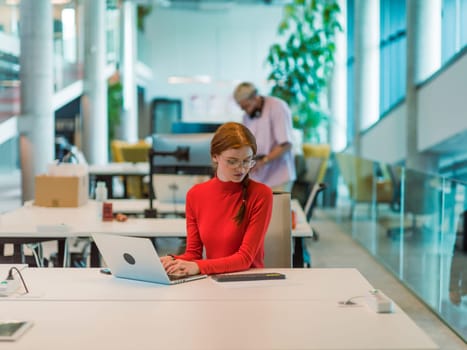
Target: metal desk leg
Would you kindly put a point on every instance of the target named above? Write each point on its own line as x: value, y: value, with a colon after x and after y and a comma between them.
x: 298, y: 252
x: 95, y: 257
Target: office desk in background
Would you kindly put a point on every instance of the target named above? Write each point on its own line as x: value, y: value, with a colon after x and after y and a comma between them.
x: 137, y: 207
x: 30, y: 224
x: 107, y: 172
x: 84, y: 309
x: 299, y: 232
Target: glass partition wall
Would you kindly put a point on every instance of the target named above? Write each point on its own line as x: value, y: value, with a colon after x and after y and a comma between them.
x: 412, y: 223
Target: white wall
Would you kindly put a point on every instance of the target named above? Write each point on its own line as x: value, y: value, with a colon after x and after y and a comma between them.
x: 386, y: 141
x: 231, y: 46
x: 227, y: 46
x: 443, y: 106
x: 442, y: 114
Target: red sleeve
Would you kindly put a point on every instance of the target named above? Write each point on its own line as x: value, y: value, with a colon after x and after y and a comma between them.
x: 194, y: 245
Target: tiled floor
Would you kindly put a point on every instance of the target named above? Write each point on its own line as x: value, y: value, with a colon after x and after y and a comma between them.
x: 334, y: 248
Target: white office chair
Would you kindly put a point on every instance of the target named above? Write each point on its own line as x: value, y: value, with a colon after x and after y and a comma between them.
x: 278, y: 240
x: 308, y: 210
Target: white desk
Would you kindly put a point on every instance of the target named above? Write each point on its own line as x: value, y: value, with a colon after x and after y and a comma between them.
x: 34, y: 221
x: 91, y: 285
x: 137, y: 206
x: 303, y: 228
x: 33, y: 224
x: 301, y: 312
x: 30, y: 224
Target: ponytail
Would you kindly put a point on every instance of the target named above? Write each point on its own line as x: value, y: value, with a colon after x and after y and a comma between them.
x: 241, y: 211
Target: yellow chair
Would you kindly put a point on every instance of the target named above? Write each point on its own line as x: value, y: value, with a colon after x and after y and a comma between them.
x: 123, y: 151
x: 115, y: 148
x: 316, y: 158
x: 359, y: 176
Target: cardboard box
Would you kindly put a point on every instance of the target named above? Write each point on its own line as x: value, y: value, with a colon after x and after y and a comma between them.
x: 61, y: 191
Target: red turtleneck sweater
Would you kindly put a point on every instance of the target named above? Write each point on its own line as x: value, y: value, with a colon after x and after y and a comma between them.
x: 210, y: 210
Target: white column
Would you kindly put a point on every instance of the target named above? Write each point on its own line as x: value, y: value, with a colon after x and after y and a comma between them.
x: 367, y: 77
x: 94, y: 100
x: 338, y: 86
x: 129, y: 122
x: 427, y: 26
x: 423, y: 59
x: 36, y: 123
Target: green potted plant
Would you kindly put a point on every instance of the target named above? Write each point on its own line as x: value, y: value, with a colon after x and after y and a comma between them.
x: 114, y: 104
x: 142, y: 12
x: 302, y: 64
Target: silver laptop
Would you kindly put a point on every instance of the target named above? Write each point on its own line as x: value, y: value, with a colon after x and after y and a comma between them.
x: 135, y: 258
x: 173, y: 188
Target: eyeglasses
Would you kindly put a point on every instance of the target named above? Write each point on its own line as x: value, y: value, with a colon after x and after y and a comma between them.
x: 235, y: 163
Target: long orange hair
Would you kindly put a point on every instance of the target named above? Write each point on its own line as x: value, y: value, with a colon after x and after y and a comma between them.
x: 234, y: 135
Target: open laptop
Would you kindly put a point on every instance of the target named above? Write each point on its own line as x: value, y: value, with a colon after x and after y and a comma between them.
x: 170, y: 188
x: 135, y: 258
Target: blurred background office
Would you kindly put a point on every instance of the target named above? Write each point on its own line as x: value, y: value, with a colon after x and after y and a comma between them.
x: 90, y: 72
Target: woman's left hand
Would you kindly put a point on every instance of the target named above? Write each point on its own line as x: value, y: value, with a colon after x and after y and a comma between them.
x: 180, y: 267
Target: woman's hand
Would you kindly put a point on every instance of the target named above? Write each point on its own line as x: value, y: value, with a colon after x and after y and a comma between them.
x: 166, y: 259
x: 179, y: 267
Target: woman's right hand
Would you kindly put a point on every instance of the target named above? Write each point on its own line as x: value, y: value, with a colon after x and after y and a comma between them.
x: 165, y: 260
x: 179, y: 267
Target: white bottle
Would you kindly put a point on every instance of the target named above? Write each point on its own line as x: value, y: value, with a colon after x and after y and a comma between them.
x: 101, y: 191
x: 101, y: 197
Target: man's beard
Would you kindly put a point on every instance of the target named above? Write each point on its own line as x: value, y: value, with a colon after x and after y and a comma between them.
x: 256, y: 113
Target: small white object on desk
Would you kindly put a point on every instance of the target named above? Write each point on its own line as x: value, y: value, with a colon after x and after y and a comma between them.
x: 8, y: 287
x: 101, y: 191
x: 379, y: 302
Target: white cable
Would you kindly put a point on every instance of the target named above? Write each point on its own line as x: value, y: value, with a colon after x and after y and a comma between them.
x: 33, y: 248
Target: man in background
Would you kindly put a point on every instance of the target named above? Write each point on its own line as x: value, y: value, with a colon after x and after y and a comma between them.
x: 270, y: 120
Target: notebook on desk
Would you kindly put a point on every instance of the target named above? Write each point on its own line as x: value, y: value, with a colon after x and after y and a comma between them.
x: 172, y: 188
x: 135, y: 258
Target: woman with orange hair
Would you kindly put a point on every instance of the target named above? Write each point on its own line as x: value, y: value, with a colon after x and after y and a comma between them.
x: 227, y: 216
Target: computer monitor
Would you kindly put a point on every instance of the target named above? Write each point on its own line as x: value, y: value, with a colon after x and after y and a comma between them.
x: 193, y: 127
x: 199, y: 157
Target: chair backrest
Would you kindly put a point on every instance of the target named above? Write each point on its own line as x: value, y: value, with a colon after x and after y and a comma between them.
x: 123, y: 151
x: 316, y: 159
x: 115, y: 147
x: 360, y: 175
x: 315, y: 189
x: 278, y: 240
x: 357, y: 174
